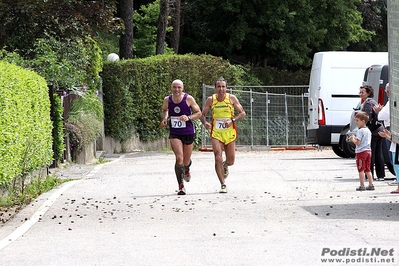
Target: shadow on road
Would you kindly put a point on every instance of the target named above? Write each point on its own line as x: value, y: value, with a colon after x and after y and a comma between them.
x: 363, y: 211
x: 313, y: 159
x: 174, y: 195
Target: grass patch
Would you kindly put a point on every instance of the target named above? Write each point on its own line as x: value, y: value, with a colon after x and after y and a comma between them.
x: 101, y: 160
x: 14, y: 199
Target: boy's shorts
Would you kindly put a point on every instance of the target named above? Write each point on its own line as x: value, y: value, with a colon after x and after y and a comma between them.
x: 363, y: 161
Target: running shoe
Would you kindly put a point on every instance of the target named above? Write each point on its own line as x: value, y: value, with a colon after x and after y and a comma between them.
x: 223, y: 189
x: 370, y: 187
x: 361, y: 188
x: 394, y: 183
x: 226, y: 170
x: 182, y: 190
x: 187, y: 175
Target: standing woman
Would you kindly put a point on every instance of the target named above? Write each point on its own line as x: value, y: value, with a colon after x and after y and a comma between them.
x: 384, y: 115
x: 377, y: 159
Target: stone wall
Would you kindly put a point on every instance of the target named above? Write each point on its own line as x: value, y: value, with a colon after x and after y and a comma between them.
x: 111, y: 145
x: 87, y: 155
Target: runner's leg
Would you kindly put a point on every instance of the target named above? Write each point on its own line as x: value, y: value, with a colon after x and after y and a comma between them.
x: 177, y: 147
x: 217, y: 147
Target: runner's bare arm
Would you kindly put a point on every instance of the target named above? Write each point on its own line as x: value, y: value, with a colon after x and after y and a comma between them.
x: 165, y: 104
x: 205, y: 111
x: 196, y: 111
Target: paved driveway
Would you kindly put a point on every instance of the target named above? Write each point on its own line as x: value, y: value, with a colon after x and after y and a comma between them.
x: 282, y: 208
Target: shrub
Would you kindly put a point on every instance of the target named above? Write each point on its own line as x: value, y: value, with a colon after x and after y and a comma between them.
x: 75, y: 139
x: 58, y: 129
x: 84, y: 124
x: 25, y: 124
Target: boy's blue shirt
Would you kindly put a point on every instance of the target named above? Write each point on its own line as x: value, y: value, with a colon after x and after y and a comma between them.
x: 364, y: 135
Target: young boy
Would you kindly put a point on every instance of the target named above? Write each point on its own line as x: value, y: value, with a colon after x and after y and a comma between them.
x: 362, y: 141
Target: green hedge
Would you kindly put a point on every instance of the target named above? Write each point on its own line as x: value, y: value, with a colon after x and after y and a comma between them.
x: 58, y: 129
x: 134, y: 89
x: 25, y: 125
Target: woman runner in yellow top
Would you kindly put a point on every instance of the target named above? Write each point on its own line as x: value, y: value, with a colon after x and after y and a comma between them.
x: 223, y: 127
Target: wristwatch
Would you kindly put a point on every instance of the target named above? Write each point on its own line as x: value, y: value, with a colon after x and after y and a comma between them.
x: 233, y: 120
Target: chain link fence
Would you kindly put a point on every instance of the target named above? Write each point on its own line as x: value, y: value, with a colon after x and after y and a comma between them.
x: 276, y: 115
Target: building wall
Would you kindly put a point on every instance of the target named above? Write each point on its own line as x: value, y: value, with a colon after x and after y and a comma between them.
x: 393, y: 49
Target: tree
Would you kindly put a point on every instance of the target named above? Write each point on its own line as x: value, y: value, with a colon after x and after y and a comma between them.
x: 176, y: 12
x: 145, y: 29
x: 125, y: 11
x: 24, y: 21
x: 162, y: 26
x: 279, y: 33
x: 374, y: 14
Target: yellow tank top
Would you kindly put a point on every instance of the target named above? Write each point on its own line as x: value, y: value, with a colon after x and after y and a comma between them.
x: 221, y: 111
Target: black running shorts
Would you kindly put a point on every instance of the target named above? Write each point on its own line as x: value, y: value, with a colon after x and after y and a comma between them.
x: 186, y: 139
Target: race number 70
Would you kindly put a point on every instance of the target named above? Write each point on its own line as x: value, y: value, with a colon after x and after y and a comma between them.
x: 177, y: 123
x: 220, y: 124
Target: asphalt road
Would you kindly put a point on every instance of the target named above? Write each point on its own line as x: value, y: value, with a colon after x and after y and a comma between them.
x: 282, y: 208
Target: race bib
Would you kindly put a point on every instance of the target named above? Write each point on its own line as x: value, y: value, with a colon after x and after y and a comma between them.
x: 176, y: 122
x: 219, y: 123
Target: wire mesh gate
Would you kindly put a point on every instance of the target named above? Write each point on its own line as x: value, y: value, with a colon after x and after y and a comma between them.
x: 276, y: 115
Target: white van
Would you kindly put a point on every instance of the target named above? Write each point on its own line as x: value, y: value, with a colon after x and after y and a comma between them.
x: 334, y: 85
x: 377, y: 77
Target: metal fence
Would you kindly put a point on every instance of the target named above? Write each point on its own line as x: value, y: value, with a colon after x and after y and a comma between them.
x: 276, y: 115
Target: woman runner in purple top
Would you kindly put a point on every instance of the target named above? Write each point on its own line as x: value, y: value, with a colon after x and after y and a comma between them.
x: 178, y: 111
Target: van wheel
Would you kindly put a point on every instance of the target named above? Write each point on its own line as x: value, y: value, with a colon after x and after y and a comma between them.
x: 348, y: 148
x: 338, y: 151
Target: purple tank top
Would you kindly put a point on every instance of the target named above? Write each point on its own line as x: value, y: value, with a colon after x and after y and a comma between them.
x: 177, y: 127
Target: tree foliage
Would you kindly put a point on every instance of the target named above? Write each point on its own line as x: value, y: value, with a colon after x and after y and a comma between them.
x: 145, y: 25
x: 278, y: 33
x: 24, y: 21
x: 283, y: 34
x: 374, y: 13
